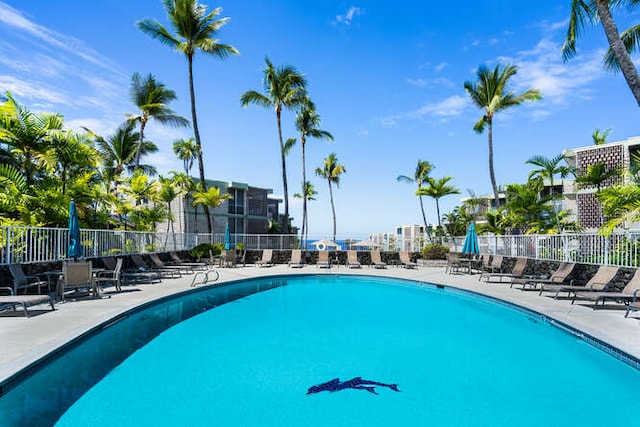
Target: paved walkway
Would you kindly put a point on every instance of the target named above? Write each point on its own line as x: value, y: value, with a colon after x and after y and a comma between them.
x: 24, y: 341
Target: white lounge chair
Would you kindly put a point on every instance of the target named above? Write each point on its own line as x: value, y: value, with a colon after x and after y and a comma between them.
x: 24, y: 300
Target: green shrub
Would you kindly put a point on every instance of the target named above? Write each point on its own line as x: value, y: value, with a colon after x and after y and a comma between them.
x: 434, y: 251
x: 203, y: 249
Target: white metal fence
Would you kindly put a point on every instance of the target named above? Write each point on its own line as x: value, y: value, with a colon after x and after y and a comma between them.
x: 588, y: 248
x: 39, y: 244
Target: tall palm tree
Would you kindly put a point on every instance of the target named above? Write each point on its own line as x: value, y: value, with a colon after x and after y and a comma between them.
x: 548, y: 169
x: 437, y: 189
x: 308, y: 193
x: 307, y: 122
x: 491, y: 94
x: 600, y: 10
x: 331, y: 171
x: 195, y: 30
x: 211, y: 198
x: 421, y: 174
x: 285, y: 88
x: 600, y: 136
x: 152, y: 97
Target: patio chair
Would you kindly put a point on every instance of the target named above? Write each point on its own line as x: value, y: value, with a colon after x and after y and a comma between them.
x: 155, y: 259
x: 296, y: 259
x: 516, y: 273
x: 228, y: 258
x: 23, y: 281
x: 265, y: 261
x: 628, y: 294
x: 24, y: 300
x: 494, y: 267
x: 405, y: 260
x: 110, y: 276
x: 454, y: 263
x: 323, y: 259
x: 598, y: 283
x: 376, y: 260
x: 559, y: 276
x: 77, y: 276
x: 633, y: 306
x: 352, y: 259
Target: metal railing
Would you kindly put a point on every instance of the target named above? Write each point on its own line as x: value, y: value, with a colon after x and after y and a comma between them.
x: 589, y: 248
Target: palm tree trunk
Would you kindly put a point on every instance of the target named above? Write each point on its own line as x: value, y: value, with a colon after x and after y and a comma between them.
x: 285, y: 226
x: 629, y: 70
x: 333, y: 210
x: 305, y: 229
x: 492, y: 175
x: 137, y: 158
x: 196, y: 133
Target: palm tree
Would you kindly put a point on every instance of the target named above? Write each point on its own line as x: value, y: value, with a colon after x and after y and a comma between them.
x: 285, y: 88
x: 331, y: 171
x: 600, y: 10
x: 548, y: 169
x: 211, y: 198
x: 119, y: 149
x: 600, y: 137
x: 307, y: 122
x: 308, y: 193
x: 186, y: 150
x: 152, y: 97
x: 437, y: 189
x: 421, y: 174
x: 596, y: 175
x: 195, y: 30
x: 526, y: 209
x: 490, y: 94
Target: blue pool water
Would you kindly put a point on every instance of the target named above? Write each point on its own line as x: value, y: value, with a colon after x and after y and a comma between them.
x: 457, y: 360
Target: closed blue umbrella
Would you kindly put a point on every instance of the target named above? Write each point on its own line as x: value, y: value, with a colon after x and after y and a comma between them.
x: 75, y: 246
x: 471, y: 241
x: 227, y: 239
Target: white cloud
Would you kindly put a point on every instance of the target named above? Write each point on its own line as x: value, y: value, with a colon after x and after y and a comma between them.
x: 441, y: 66
x: 448, y: 107
x: 348, y: 17
x: 33, y: 90
x: 12, y: 17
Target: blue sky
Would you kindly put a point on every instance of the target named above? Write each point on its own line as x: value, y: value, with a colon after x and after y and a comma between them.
x: 387, y: 80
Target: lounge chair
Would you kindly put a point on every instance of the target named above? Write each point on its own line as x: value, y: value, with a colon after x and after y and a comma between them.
x: 323, y: 259
x: 228, y: 258
x: 23, y: 281
x: 296, y: 259
x: 516, y: 273
x: 176, y: 260
x: 352, y: 259
x: 405, y: 260
x: 633, y: 306
x: 558, y: 277
x: 23, y: 300
x: 376, y: 260
x: 628, y: 294
x: 129, y: 276
x: 494, y: 267
x: 157, y: 262
x: 142, y: 266
x: 265, y: 261
x: 598, y: 283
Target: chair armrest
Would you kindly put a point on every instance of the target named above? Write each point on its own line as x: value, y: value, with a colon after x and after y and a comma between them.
x: 4, y: 288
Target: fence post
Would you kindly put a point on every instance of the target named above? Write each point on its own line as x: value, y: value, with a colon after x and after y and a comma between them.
x: 606, y: 250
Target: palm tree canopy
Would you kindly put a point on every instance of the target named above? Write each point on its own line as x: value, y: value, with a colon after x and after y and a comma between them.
x: 548, y: 168
x: 186, y: 150
x: 490, y: 92
x: 309, y: 192
x: 195, y: 29
x: 212, y: 197
x: 423, y: 169
x: 152, y: 97
x: 308, y: 120
x: 600, y: 136
x: 331, y: 170
x: 438, y: 188
x: 284, y: 87
x: 596, y: 175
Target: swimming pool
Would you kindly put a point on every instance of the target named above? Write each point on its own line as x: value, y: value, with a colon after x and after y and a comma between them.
x: 457, y: 360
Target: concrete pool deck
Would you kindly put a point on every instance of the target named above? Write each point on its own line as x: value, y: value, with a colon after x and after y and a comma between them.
x: 26, y: 340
